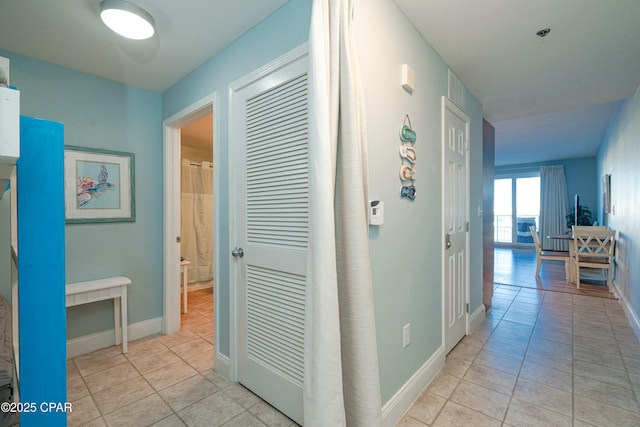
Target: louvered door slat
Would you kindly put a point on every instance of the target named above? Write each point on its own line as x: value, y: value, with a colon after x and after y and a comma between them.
x: 287, y: 143
x: 290, y: 108
x: 270, y: 149
x: 267, y: 99
x: 277, y: 161
x: 278, y: 193
x: 275, y: 309
x: 289, y: 170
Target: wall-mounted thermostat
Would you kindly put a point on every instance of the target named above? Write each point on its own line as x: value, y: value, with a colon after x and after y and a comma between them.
x: 376, y: 212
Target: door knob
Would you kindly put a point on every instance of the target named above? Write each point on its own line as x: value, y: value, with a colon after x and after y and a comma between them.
x: 448, y: 240
x: 237, y: 252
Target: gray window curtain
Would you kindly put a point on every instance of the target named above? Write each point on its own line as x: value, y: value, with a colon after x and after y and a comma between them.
x: 553, y: 207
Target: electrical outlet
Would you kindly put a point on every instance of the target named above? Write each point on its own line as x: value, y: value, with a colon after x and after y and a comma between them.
x: 406, y: 335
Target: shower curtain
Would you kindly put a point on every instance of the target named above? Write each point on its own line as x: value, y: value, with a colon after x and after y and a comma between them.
x: 197, y: 219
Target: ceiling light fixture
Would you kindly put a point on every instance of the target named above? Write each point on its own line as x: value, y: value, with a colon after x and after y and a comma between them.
x: 543, y: 33
x: 127, y: 19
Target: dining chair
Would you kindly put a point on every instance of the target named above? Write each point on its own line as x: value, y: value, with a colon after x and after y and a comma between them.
x: 548, y: 255
x: 594, y: 247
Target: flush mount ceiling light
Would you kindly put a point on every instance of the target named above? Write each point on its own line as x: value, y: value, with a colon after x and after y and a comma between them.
x: 543, y: 33
x: 127, y: 19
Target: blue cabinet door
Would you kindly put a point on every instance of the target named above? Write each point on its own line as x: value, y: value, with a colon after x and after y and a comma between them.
x: 41, y: 272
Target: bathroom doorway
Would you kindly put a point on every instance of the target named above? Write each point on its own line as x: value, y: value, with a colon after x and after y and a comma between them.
x: 204, y: 329
x: 197, y: 226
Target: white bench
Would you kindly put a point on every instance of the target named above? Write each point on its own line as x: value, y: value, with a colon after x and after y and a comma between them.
x: 103, y: 289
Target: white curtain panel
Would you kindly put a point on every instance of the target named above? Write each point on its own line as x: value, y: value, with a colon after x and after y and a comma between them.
x: 341, y: 383
x: 196, y: 217
x: 553, y: 207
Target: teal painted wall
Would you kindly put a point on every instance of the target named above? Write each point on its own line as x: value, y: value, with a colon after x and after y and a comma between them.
x: 285, y: 29
x: 99, y: 113
x: 619, y: 156
x: 415, y: 293
x: 5, y: 251
x: 406, y: 262
x: 406, y: 252
x: 581, y: 175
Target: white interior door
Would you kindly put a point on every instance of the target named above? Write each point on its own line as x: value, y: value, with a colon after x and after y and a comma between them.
x: 269, y: 136
x: 456, y: 196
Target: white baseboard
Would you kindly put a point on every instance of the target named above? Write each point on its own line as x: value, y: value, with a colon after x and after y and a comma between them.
x: 92, y: 342
x: 634, y: 321
x: 399, y: 404
x: 222, y: 365
x: 476, y: 318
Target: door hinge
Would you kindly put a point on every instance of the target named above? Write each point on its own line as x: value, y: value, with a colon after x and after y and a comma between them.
x: 467, y: 307
x: 467, y: 225
x: 178, y: 239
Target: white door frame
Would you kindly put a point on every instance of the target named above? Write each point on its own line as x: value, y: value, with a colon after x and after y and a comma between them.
x: 447, y: 104
x: 171, y: 210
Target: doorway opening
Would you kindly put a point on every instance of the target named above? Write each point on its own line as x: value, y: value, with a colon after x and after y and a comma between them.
x: 516, y: 208
x: 190, y: 145
x: 196, y: 226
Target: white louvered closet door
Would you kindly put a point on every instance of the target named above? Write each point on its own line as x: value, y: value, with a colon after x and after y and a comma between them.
x: 271, y: 166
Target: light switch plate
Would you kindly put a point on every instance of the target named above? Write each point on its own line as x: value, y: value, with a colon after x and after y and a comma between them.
x: 406, y: 335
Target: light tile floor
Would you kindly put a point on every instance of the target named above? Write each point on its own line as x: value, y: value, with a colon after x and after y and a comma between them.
x: 539, y: 359
x: 164, y: 381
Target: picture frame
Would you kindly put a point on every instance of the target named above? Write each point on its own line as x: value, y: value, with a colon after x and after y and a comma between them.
x: 99, y: 185
x: 606, y: 193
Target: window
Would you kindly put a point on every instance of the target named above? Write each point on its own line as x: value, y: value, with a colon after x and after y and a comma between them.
x: 516, y: 207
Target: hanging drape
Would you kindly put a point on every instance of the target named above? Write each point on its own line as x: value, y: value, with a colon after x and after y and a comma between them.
x: 196, y: 203
x: 553, y: 207
x: 341, y: 383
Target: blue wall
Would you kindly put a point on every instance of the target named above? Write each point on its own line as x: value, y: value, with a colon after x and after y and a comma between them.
x: 285, y: 29
x: 416, y: 293
x: 99, y: 113
x: 619, y: 156
x: 406, y: 255
x: 5, y: 252
x: 103, y: 114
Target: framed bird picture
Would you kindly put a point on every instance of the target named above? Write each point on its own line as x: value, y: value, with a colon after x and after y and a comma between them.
x: 98, y: 185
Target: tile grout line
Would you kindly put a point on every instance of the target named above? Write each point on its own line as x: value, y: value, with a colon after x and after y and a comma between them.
x: 513, y: 391
x: 624, y: 363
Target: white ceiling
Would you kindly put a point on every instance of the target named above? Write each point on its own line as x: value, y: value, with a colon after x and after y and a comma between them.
x: 70, y: 33
x: 548, y: 98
